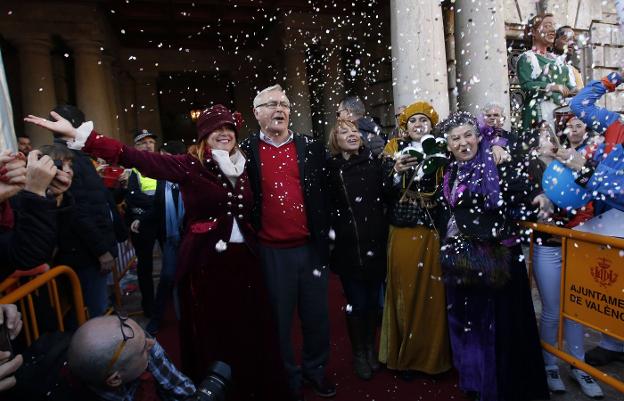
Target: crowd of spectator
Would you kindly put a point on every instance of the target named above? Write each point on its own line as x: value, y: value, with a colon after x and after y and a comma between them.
x: 420, y: 226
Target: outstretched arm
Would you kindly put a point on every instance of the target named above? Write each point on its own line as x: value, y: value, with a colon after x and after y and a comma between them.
x: 584, y: 104
x: 153, y: 165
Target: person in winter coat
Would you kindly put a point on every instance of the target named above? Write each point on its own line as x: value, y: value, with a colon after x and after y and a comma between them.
x: 414, y: 332
x: 352, y: 109
x: 600, y: 168
x: 86, y: 240
x: 28, y: 235
x: 225, y: 311
x: 492, y: 326
x: 287, y: 176
x: 356, y: 191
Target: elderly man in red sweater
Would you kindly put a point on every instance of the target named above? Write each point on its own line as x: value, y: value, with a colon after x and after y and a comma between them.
x: 287, y: 174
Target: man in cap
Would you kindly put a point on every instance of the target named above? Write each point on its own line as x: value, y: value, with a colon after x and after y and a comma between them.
x: 140, y: 201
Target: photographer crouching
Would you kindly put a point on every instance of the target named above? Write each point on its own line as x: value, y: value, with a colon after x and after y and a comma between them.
x: 115, y: 359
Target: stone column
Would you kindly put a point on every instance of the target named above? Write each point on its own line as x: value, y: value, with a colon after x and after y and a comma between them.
x: 297, y: 88
x: 92, y: 94
x: 243, y: 100
x: 38, y: 93
x: 148, y: 110
x: 111, y: 82
x: 334, y: 90
x: 418, y: 54
x: 127, y: 100
x: 481, y: 54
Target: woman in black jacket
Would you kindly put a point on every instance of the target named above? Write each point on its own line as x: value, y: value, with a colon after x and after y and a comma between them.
x: 492, y: 326
x: 361, y: 233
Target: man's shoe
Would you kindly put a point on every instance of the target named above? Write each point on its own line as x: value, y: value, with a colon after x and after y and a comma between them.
x: 588, y: 385
x: 322, y: 387
x: 555, y: 384
x: 297, y: 395
x: 599, y: 356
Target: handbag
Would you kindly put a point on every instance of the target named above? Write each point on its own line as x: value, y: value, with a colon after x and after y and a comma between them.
x: 471, y: 262
x: 412, y: 208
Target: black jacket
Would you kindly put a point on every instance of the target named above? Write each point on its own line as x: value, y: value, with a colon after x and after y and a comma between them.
x: 138, y: 203
x: 356, y: 191
x: 371, y: 135
x: 31, y: 241
x: 311, y: 157
x: 86, y: 229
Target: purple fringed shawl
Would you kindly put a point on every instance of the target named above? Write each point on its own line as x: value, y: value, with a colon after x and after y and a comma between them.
x: 478, y: 175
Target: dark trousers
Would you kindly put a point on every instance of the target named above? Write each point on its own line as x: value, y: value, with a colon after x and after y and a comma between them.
x: 94, y: 289
x: 144, y: 247
x: 167, y: 275
x: 362, y: 295
x: 296, y: 280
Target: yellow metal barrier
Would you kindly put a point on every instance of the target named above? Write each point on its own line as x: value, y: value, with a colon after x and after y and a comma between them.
x: 592, y: 289
x: 23, y: 296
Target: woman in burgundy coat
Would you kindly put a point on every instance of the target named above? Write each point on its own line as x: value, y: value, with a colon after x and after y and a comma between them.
x: 225, y: 314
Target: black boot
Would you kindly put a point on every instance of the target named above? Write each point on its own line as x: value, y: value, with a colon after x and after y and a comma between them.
x: 370, y: 337
x: 356, y: 327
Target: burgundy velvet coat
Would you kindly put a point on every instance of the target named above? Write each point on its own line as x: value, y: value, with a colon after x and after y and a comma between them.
x: 210, y: 200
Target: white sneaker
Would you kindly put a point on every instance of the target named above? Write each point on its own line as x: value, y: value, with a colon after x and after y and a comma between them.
x: 555, y: 384
x: 589, y: 386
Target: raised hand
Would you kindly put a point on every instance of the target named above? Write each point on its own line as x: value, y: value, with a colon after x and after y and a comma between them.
x: 12, y: 174
x: 61, y: 126
x: 40, y: 172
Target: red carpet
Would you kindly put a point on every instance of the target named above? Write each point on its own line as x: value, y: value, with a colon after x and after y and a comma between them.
x: 385, y: 386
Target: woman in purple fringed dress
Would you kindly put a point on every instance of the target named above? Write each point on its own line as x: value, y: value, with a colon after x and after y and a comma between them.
x: 492, y: 324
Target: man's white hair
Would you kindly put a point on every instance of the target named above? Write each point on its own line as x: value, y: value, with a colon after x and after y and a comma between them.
x: 272, y: 88
x: 494, y: 105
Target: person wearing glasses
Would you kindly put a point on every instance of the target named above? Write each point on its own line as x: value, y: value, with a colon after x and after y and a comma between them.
x: 287, y: 173
x: 116, y: 360
x: 397, y: 132
x: 224, y: 305
x: 352, y: 109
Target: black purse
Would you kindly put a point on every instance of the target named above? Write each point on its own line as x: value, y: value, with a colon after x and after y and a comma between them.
x: 412, y: 208
x: 471, y: 262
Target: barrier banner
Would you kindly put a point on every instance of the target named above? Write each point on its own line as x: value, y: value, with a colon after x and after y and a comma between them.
x: 594, y: 286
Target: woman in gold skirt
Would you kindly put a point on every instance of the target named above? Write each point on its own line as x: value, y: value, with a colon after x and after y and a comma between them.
x: 414, y: 334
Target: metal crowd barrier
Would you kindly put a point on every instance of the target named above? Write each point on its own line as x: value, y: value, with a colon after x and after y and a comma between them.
x: 592, y: 289
x: 23, y: 296
x: 126, y: 257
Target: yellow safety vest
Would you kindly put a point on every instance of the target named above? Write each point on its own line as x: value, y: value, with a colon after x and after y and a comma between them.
x: 148, y: 185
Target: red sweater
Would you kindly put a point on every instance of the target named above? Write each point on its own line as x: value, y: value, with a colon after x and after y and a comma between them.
x: 284, y: 221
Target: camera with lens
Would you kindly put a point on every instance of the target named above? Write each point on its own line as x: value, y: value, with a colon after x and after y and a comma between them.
x: 215, y: 385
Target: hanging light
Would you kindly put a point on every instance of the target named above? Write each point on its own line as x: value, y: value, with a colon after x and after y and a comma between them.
x: 195, y: 114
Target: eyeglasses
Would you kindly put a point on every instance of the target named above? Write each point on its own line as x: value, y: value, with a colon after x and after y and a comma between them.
x: 125, y: 337
x: 273, y: 105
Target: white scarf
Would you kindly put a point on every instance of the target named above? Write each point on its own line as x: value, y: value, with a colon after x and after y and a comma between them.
x: 232, y: 166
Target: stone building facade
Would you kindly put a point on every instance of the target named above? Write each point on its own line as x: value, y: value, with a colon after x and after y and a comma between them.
x: 147, y: 64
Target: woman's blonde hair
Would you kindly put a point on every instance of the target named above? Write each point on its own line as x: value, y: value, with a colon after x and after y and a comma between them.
x: 200, y: 152
x: 332, y: 141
